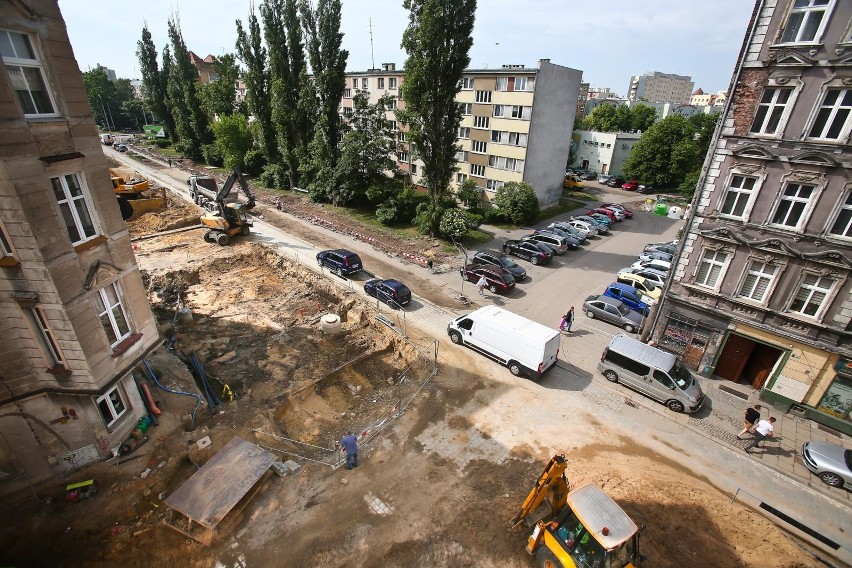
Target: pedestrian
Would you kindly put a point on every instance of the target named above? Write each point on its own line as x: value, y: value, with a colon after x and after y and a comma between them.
x: 567, y: 320
x: 762, y: 431
x: 170, y: 162
x: 482, y: 284
x: 752, y: 415
x: 349, y: 443
x: 430, y: 265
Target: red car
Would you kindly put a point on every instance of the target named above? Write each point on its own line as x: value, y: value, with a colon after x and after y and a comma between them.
x: 631, y: 185
x: 602, y: 211
x: 628, y: 213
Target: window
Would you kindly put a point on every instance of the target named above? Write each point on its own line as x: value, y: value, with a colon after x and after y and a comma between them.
x: 392, y: 104
x: 842, y: 226
x: 381, y: 82
x: 414, y: 169
x: 517, y: 111
x: 401, y: 136
x: 464, y: 132
x: 483, y: 96
x: 461, y: 156
x: 711, y: 268
x: 365, y: 83
x: 481, y: 122
x: 402, y: 156
x: 517, y: 139
x: 25, y: 74
x: 770, y: 110
x: 347, y: 93
x: 467, y: 108
x: 499, y: 110
x: 5, y: 244
x: 805, y: 21
x: 111, y: 314
x: 832, y: 121
x: 514, y: 164
x: 663, y: 379
x: 502, y: 83
x: 45, y: 337
x: 812, y: 294
x: 497, y: 162
x: 493, y: 184
x: 738, y: 195
x: 758, y: 280
x: 628, y: 363
x: 74, y: 207
x: 112, y: 406
x: 467, y: 83
x: 461, y: 178
x: 499, y: 137
x: 392, y: 125
x: 347, y: 111
x: 791, y: 208
x: 477, y: 170
x: 392, y: 82
x: 479, y: 147
x: 520, y: 83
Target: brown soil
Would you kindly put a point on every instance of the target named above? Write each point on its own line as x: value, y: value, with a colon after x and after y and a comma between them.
x: 177, y: 214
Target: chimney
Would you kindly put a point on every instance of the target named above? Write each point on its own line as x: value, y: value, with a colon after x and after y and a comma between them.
x: 388, y: 66
x: 540, y: 61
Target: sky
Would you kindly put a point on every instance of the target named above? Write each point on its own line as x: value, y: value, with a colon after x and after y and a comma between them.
x: 609, y: 40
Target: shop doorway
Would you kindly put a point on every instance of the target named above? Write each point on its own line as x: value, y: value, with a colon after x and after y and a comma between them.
x: 745, y: 361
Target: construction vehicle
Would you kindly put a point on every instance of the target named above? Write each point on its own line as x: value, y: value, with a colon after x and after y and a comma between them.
x: 134, y: 197
x: 223, y: 220
x: 580, y: 528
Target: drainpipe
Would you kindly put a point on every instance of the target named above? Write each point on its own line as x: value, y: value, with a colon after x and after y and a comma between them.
x: 708, y: 159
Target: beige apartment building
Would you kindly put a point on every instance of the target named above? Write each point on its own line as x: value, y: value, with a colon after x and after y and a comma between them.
x: 516, y: 124
x: 657, y: 87
x: 74, y: 315
x: 761, y: 294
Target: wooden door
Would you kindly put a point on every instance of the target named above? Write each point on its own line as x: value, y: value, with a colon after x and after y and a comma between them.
x: 734, y: 357
x: 695, y: 351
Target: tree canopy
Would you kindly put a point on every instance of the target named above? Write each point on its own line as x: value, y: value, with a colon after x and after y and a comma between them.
x: 517, y: 202
x: 620, y: 118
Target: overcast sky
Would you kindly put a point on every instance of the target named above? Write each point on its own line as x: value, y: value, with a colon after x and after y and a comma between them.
x: 609, y: 40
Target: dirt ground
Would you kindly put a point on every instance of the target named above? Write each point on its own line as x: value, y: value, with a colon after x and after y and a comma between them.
x: 437, y: 487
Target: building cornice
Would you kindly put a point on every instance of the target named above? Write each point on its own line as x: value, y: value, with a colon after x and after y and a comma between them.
x: 780, y: 245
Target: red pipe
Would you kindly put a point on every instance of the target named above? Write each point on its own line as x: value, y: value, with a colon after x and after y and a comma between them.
x: 150, y: 400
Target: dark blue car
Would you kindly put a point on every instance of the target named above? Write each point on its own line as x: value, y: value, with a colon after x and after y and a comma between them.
x: 392, y: 292
x: 340, y: 261
x: 631, y: 297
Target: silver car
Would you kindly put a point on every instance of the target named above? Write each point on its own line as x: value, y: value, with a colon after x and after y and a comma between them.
x: 612, y: 311
x: 831, y: 463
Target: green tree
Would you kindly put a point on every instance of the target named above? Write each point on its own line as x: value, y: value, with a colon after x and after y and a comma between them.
x: 518, y: 202
x: 601, y: 119
x: 219, y: 97
x: 437, y: 41
x: 101, y: 94
x: 233, y: 139
x: 642, y: 117
x: 154, y: 80
x: 455, y: 224
x: 321, y: 26
x: 252, y: 53
x: 192, y: 129
x: 704, y: 125
x: 365, y: 156
x: 469, y: 194
x: 688, y: 186
x: 623, y: 115
x: 665, y: 154
x: 135, y: 112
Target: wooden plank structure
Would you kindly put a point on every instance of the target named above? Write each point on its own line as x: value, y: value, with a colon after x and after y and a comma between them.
x: 215, y: 489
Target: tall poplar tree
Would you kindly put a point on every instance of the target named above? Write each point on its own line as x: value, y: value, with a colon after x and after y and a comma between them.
x: 153, y: 80
x: 437, y: 41
x: 252, y: 53
x: 191, y: 124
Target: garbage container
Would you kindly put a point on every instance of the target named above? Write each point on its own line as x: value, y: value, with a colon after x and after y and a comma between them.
x: 674, y: 212
x: 661, y: 209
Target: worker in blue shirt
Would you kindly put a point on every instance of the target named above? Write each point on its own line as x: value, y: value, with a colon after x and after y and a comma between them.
x: 349, y: 443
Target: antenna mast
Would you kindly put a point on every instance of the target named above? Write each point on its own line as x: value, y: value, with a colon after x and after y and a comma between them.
x: 372, y: 55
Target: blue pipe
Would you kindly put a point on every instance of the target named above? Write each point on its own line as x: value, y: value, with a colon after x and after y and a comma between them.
x: 157, y: 382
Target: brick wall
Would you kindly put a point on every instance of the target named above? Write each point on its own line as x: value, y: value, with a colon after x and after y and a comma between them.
x: 746, y: 96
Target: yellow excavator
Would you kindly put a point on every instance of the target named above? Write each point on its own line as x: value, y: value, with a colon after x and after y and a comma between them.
x: 223, y: 220
x: 132, y: 198
x: 579, y: 528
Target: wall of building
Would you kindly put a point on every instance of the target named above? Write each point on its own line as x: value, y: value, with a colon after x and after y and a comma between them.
x: 603, y: 148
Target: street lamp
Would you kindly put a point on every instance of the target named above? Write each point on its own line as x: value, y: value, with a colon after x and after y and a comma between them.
x: 106, y: 117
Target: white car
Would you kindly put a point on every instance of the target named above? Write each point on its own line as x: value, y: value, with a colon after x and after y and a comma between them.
x: 660, y: 265
x: 655, y: 255
x: 584, y: 227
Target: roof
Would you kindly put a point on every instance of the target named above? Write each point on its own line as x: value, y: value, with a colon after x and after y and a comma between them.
x: 597, y: 511
x: 698, y: 91
x: 529, y: 328
x: 647, y: 354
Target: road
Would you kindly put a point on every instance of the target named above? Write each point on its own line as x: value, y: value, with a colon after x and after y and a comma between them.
x: 699, y: 443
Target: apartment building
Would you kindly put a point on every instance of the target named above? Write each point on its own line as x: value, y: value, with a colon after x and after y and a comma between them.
x: 655, y: 86
x: 74, y: 315
x: 761, y: 293
x: 700, y: 98
x: 581, y: 100
x: 515, y: 125
x: 602, y: 152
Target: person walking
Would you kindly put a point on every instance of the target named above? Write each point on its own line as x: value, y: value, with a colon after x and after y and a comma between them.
x: 482, y: 284
x: 349, y: 443
x: 752, y: 415
x: 762, y: 431
x: 567, y: 321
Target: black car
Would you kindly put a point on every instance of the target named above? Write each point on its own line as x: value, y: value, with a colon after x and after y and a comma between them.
x: 617, y: 181
x: 121, y: 147
x: 392, y: 292
x: 588, y: 176
x: 536, y: 253
x: 340, y: 261
x: 489, y: 258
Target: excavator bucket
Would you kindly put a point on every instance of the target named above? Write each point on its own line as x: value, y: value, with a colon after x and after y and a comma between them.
x: 551, y: 487
x: 132, y: 209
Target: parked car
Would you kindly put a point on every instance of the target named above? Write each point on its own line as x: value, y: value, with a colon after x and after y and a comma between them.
x: 121, y: 147
x: 644, y: 286
x: 601, y: 225
x: 661, y: 247
x: 612, y: 311
x: 645, y: 189
x: 589, y: 229
x: 606, y: 213
x: 831, y: 463
x: 499, y: 279
x: 567, y: 228
x: 655, y: 277
x: 554, y: 241
x: 655, y: 255
x: 634, y: 299
x: 392, y: 292
x: 572, y: 182
x: 616, y: 181
x: 573, y: 241
x: 628, y: 213
x: 529, y: 250
x: 631, y: 185
x: 588, y: 176
x: 340, y: 261
x: 500, y: 260
x: 604, y: 179
x: 601, y: 218
x: 660, y: 265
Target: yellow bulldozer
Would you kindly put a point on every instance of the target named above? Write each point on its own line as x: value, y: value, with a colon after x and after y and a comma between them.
x: 223, y: 220
x: 579, y: 528
x: 135, y: 196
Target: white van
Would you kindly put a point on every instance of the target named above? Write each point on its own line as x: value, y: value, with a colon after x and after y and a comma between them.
x: 655, y: 373
x: 526, y: 347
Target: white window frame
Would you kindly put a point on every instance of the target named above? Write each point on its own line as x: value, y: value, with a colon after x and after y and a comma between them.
x: 392, y: 125
x: 478, y: 147
x: 347, y: 93
x: 712, y: 263
x: 843, y: 210
x: 380, y: 83
x: 461, y: 178
x: 115, y: 413
x: 482, y: 97
x: 461, y: 156
x: 109, y: 311
x: 520, y: 139
x: 466, y: 108
x: 464, y: 132
x: 365, y: 83
x: 520, y: 80
x: 772, y: 105
x: 749, y: 195
x: 493, y: 185
x: 477, y: 170
x: 813, y: 289
x: 833, y: 110
x: 7, y: 249
x: 391, y: 82
x: 502, y: 84
x: 27, y: 63
x: 808, y: 12
x: 467, y: 84
x: 754, y: 275
x: 72, y: 204
x: 499, y: 110
x: 402, y: 157
x: 805, y: 211
x: 44, y: 335
x: 481, y: 122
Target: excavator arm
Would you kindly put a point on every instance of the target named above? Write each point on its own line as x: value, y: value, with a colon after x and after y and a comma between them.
x: 551, y: 486
x: 236, y: 177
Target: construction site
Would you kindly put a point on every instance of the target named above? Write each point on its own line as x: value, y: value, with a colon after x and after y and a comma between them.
x: 449, y: 450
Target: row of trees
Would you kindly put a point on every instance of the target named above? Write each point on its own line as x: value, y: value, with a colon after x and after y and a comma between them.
x: 112, y: 102
x: 619, y: 118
